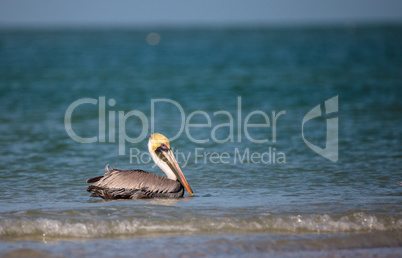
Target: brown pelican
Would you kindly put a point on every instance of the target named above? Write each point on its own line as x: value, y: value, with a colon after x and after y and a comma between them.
x: 137, y: 184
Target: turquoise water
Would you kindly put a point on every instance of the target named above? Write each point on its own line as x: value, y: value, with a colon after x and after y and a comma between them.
x: 274, y: 197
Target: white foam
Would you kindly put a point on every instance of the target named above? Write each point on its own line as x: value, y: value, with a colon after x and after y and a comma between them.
x: 89, y: 228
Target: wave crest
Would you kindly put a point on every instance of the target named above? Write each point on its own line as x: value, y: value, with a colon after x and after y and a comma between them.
x: 93, y: 228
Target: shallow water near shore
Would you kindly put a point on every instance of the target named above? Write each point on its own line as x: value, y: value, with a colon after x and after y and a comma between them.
x: 254, y: 245
x: 273, y: 198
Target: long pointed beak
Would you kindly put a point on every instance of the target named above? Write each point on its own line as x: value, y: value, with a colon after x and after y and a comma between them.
x: 176, y: 169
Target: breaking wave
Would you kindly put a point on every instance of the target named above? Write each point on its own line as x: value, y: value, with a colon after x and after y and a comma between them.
x: 14, y: 228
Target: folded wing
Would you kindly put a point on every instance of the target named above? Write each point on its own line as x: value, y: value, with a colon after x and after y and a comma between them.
x: 133, y: 184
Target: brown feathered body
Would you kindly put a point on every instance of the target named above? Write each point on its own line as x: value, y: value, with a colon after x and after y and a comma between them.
x: 133, y: 184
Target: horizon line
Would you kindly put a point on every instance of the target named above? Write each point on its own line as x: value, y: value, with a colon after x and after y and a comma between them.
x: 202, y: 25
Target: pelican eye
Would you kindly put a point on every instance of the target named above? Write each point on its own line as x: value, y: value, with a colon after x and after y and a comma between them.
x: 164, y: 147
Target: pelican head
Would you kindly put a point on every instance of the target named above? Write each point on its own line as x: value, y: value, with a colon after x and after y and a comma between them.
x: 162, y: 155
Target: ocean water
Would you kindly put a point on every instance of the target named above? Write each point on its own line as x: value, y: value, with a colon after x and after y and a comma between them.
x: 259, y: 190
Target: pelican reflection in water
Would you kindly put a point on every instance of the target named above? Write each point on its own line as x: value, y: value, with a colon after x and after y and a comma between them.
x: 138, y: 184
